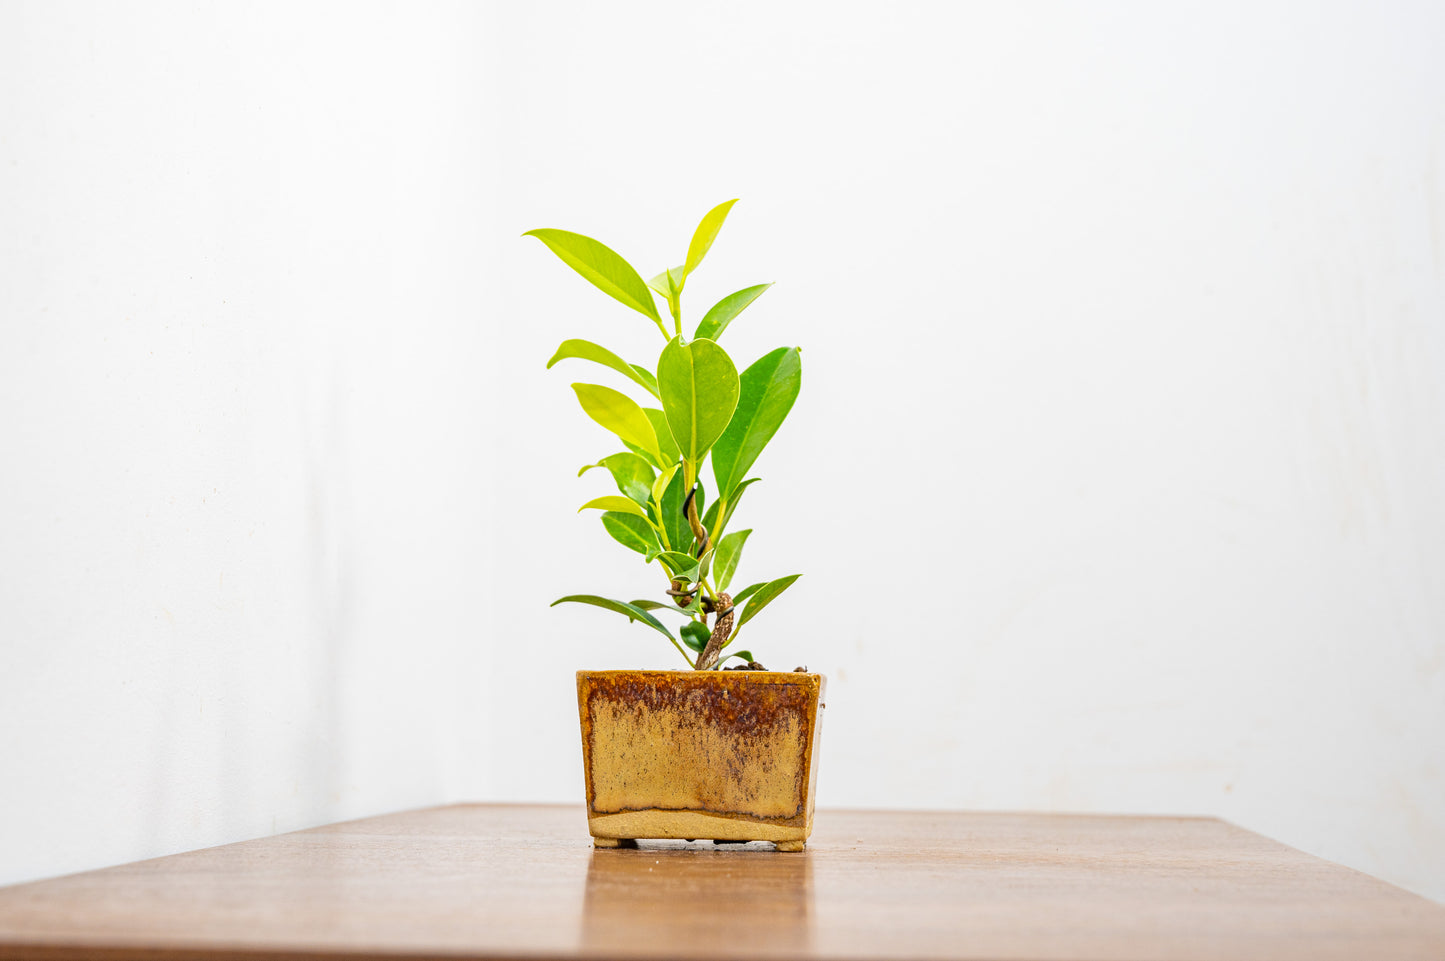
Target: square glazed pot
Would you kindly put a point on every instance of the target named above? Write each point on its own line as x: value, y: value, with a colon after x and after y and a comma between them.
x: 726, y: 755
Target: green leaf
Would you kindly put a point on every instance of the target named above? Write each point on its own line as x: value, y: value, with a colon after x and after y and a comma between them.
x: 705, y: 234
x: 620, y: 505
x: 716, y: 320
x: 631, y: 531
x: 747, y: 656
x: 619, y: 414
x: 748, y: 592
x: 603, y: 267
x: 669, y: 283
x: 709, y: 521
x: 695, y: 635
x: 664, y: 478
x: 645, y: 378
x: 622, y: 607
x: 633, y: 474
x: 699, y: 386
x: 674, y: 521
x: 660, y: 606
x: 704, y: 563
x: 586, y: 350
x: 670, y: 454
x: 682, y: 566
x: 729, y: 549
x: 769, y: 388
x: 765, y: 595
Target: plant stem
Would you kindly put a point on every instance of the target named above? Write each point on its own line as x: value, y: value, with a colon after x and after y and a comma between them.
x: 660, y: 528
x: 682, y: 652
x: 722, y: 511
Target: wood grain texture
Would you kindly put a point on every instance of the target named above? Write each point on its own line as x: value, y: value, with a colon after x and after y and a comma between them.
x: 492, y: 881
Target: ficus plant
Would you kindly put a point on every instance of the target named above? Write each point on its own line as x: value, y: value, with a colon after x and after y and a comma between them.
x: 695, y: 409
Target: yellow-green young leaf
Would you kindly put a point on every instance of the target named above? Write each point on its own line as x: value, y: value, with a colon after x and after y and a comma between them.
x: 646, y: 380
x: 602, y: 266
x: 706, y: 233
x: 765, y: 595
x: 586, y: 350
x: 768, y: 390
x: 716, y: 320
x: 619, y: 414
x: 659, y: 486
x: 614, y: 502
x: 729, y: 549
x: 632, y: 532
x: 669, y: 283
x: 670, y: 454
x: 632, y: 473
x: 699, y: 387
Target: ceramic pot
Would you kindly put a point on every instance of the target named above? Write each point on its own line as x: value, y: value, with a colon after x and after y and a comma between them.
x: 725, y: 755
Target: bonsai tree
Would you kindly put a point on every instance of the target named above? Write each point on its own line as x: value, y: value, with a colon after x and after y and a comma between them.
x: 706, y: 412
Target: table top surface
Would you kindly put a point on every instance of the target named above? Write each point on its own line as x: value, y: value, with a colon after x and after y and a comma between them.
x: 503, y: 881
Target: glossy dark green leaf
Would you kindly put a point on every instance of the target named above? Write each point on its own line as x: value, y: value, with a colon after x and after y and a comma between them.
x: 710, y: 521
x: 729, y: 549
x: 586, y: 350
x: 706, y: 233
x: 602, y: 266
x: 765, y: 596
x: 695, y: 635
x: 619, y: 414
x: 716, y: 320
x: 699, y: 387
x: 631, y: 531
x: 768, y: 389
x: 747, y: 656
x: 674, y: 521
x: 621, y: 607
x: 632, y: 474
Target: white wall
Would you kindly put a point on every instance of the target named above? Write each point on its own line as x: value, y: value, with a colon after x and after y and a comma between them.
x: 242, y: 276
x: 1114, y: 478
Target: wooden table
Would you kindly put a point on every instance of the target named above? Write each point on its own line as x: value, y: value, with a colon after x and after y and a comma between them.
x: 492, y: 881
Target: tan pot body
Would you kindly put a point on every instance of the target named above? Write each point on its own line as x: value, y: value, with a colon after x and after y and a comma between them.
x: 726, y: 755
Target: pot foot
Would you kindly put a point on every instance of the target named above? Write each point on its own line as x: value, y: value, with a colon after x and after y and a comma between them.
x: 789, y: 846
x: 613, y: 843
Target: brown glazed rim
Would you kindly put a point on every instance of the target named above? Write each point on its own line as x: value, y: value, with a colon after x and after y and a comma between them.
x: 770, y: 677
